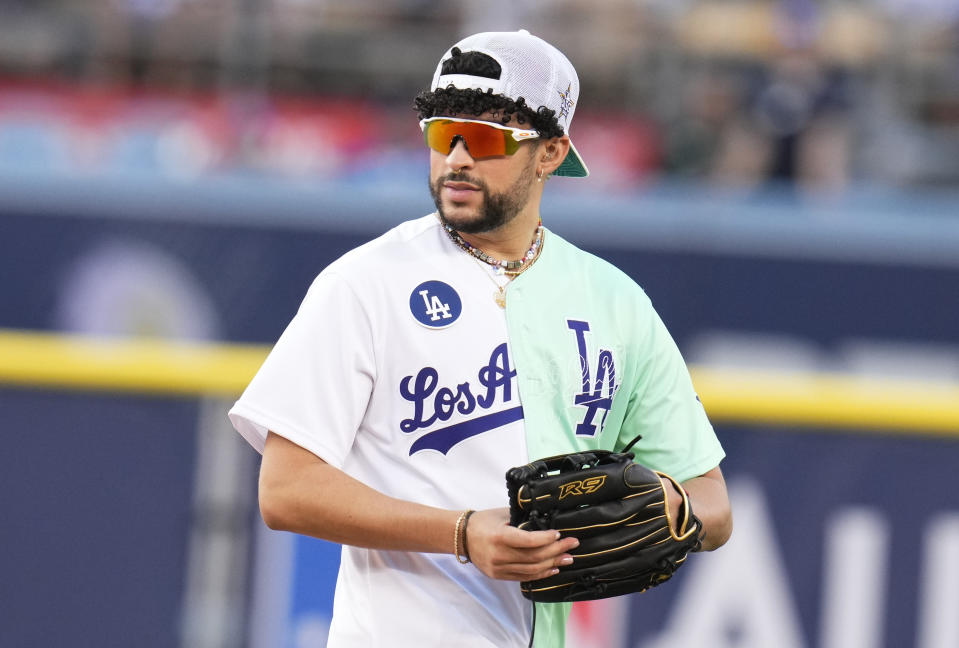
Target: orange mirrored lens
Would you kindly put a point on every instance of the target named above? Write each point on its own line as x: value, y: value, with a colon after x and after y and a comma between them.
x: 481, y: 140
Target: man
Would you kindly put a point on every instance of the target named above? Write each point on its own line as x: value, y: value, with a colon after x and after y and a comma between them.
x: 424, y: 364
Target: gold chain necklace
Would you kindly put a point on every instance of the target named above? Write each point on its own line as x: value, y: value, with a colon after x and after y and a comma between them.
x: 511, y: 269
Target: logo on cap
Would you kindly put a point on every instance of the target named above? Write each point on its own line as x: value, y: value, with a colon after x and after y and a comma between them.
x: 566, y: 103
x: 435, y: 304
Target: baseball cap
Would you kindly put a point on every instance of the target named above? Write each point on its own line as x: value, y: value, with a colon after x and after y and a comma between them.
x: 532, y: 69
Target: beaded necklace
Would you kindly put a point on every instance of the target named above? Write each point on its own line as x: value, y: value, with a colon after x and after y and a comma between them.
x: 511, y: 269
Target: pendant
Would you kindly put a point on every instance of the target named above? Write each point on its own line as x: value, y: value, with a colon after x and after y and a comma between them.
x: 500, y: 298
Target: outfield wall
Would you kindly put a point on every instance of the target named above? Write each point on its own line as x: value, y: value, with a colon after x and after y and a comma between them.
x: 823, y: 341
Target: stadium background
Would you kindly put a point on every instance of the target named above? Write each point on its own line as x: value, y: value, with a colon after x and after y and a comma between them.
x: 781, y: 177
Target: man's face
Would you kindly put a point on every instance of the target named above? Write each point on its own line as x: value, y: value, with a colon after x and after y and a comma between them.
x: 476, y: 195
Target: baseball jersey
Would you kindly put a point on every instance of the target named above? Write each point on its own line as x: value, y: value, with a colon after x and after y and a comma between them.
x: 400, y: 369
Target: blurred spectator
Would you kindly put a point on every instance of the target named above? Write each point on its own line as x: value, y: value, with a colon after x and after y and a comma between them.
x: 801, y: 108
x: 710, y: 101
x: 144, y: 17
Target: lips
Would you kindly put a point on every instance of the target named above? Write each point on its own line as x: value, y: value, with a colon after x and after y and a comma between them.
x: 460, y: 186
x: 459, y: 191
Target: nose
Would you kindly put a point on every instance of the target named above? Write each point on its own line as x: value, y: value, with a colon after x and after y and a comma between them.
x: 459, y: 156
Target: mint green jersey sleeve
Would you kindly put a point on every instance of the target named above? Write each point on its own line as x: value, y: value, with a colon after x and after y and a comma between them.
x: 663, y: 407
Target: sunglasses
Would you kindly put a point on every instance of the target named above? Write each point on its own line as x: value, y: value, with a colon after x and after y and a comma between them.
x: 482, y: 139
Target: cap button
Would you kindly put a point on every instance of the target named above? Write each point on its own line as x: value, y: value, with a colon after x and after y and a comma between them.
x: 525, y: 32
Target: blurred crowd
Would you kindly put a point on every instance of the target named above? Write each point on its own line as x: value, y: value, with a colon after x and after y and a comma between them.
x: 817, y: 94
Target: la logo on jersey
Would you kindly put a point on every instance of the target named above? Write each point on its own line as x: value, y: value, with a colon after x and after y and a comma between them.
x: 435, y: 304
x: 595, y: 395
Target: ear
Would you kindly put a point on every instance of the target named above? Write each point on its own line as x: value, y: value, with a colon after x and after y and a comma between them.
x: 552, y: 153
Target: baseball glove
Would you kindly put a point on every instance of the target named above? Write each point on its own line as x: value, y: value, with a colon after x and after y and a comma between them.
x: 617, y: 510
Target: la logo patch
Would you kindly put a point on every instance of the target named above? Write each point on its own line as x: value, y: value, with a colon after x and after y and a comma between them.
x: 435, y: 304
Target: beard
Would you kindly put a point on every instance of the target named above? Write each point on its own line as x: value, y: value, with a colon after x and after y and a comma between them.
x: 496, y: 209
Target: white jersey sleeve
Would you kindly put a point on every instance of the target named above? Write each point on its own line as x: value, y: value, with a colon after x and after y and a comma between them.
x: 315, y: 385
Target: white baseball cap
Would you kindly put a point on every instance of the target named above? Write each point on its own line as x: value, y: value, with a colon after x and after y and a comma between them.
x: 532, y: 69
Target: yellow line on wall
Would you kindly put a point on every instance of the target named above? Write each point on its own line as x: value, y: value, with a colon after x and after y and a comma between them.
x: 146, y: 366
x: 830, y: 401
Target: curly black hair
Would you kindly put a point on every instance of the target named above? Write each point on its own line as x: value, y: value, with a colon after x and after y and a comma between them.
x: 450, y: 101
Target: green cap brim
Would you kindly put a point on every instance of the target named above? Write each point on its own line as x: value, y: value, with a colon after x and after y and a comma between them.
x: 573, y: 166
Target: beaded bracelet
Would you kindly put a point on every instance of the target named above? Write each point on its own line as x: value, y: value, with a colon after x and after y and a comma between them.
x: 456, y: 535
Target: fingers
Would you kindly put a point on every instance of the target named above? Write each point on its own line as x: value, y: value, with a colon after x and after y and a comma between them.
x: 554, y: 551
x: 507, y: 553
x: 545, y: 543
x: 533, y: 560
x: 525, y: 573
x: 536, y: 545
x: 536, y: 571
x: 529, y: 539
